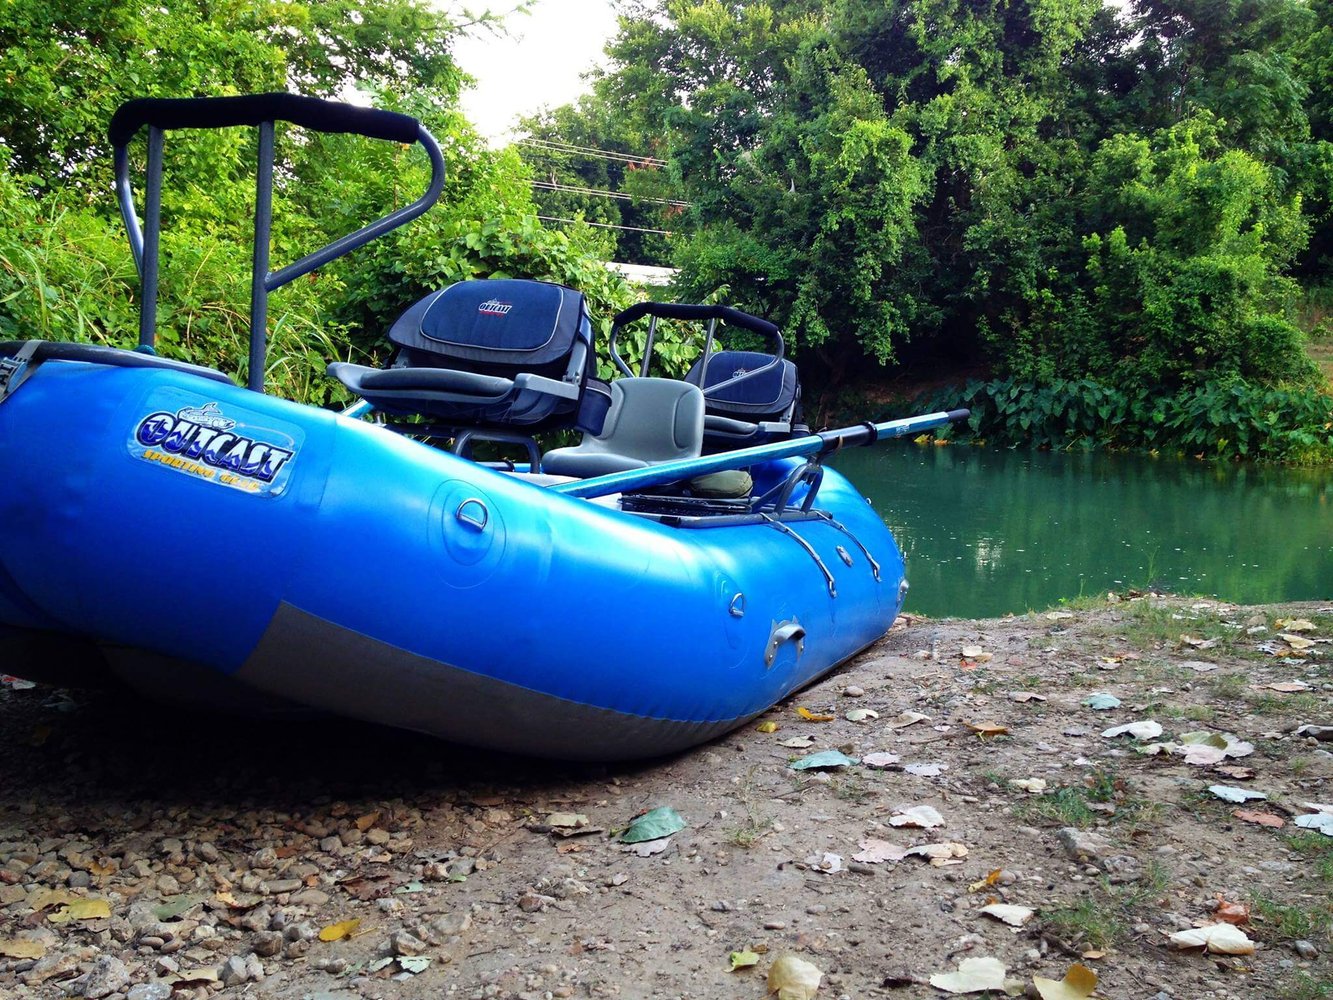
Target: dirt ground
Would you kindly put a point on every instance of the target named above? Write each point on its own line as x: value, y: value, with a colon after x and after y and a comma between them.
x: 150, y: 853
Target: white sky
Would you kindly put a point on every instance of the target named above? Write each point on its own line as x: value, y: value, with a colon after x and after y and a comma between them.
x: 538, y: 66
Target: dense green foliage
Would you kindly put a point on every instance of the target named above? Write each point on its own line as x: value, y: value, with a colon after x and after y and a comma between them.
x: 1060, y: 192
x: 1214, y: 420
x: 65, y: 265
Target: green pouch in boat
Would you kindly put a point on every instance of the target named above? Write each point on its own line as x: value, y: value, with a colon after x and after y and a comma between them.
x: 725, y: 485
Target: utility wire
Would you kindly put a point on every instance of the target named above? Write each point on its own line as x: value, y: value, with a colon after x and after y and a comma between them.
x: 599, y: 193
x: 606, y: 225
x: 552, y: 146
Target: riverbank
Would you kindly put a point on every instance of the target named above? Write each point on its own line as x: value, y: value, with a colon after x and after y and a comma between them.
x: 145, y: 851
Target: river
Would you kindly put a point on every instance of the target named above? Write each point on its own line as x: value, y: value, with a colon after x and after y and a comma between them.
x: 986, y: 532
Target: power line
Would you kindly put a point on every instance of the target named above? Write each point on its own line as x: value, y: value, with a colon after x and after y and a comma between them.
x: 599, y: 193
x: 606, y: 225
x: 552, y: 146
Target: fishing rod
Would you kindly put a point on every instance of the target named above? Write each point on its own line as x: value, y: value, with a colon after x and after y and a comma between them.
x: 819, y: 443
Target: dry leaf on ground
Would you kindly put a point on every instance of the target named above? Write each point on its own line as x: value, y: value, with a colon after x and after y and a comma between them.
x: 793, y: 978
x: 1078, y: 984
x: 1262, y: 818
x: 1221, y: 939
x: 923, y: 816
x: 875, y: 851
x: 1009, y: 913
x: 1148, y: 729
x: 974, y: 975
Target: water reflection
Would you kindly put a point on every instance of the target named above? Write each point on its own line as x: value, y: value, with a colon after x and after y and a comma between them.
x: 985, y: 532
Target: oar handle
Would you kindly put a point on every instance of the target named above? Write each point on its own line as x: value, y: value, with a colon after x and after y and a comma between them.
x: 809, y: 444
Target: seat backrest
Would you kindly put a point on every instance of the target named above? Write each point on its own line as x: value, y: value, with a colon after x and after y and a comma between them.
x: 497, y: 326
x: 770, y: 393
x: 650, y: 420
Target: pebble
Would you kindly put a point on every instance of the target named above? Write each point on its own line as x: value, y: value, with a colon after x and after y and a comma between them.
x: 150, y: 991
x: 1305, y: 949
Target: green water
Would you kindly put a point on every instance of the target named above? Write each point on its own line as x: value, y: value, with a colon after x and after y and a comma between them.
x: 985, y: 532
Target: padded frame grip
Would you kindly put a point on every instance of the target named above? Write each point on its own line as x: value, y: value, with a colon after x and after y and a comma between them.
x: 687, y: 310
x: 253, y: 109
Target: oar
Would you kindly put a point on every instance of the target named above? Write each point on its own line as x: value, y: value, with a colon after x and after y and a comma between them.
x: 810, y: 444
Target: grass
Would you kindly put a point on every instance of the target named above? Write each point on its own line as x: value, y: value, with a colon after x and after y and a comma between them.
x: 1102, y: 920
x: 1073, y: 805
x: 751, y: 824
x: 1285, y: 922
x: 1317, y: 849
x: 1306, y: 987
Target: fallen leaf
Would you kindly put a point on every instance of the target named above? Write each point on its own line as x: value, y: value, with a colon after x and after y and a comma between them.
x: 974, y: 975
x: 924, y: 770
x: 810, y: 716
x: 1262, y: 818
x: 647, y: 848
x: 1101, y: 702
x: 21, y: 948
x: 875, y: 851
x: 1232, y: 913
x: 41, y: 899
x: 922, y: 816
x: 81, y: 909
x: 1296, y: 642
x: 823, y: 759
x: 1294, y: 625
x: 767, y: 727
x: 977, y: 653
x: 1026, y: 696
x: 880, y: 759
x: 1093, y: 953
x: 1197, y: 643
x: 827, y: 863
x: 797, y: 742
x: 413, y: 963
x: 574, y: 820
x: 939, y: 855
x: 793, y: 978
x: 984, y: 729
x: 1034, y: 785
x: 1229, y: 793
x: 1009, y: 913
x: 1236, y: 773
x: 860, y: 714
x: 743, y: 959
x: 364, y: 823
x: 988, y: 882
x: 1321, y: 821
x: 340, y: 930
x: 1148, y: 729
x: 652, y: 825
x: 906, y: 719
x: 1221, y: 939
x: 1078, y: 984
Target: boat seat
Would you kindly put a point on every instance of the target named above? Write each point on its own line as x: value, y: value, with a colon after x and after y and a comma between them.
x: 749, y: 398
x: 498, y: 354
x: 651, y: 420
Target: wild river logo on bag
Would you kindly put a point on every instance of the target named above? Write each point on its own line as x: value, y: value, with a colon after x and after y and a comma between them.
x: 204, y: 442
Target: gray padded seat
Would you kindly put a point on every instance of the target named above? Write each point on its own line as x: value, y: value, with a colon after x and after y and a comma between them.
x: 651, y: 420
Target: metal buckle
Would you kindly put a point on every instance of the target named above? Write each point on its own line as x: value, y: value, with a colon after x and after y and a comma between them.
x: 14, y: 369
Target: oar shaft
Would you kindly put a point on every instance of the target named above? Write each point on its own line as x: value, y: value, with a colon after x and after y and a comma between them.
x: 811, y: 444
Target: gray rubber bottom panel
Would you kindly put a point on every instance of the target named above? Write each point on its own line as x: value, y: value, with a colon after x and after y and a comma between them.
x: 306, y: 659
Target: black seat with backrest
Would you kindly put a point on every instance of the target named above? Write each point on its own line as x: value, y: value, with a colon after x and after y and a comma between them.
x: 752, y: 394
x: 749, y: 398
x: 495, y: 354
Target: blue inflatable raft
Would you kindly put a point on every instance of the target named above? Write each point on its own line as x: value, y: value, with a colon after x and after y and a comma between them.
x: 682, y: 568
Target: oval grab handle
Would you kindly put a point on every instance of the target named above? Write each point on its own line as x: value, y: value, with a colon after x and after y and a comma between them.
x: 788, y: 631
x: 465, y: 513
